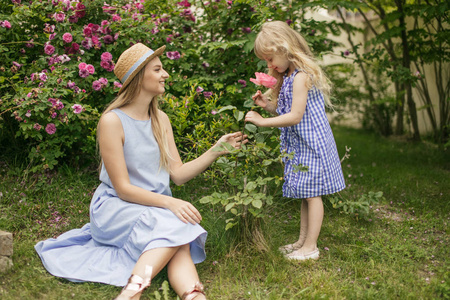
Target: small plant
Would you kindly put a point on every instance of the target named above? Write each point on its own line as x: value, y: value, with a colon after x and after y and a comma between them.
x: 360, y: 208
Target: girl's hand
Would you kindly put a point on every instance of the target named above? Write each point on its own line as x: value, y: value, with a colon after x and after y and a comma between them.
x: 260, y: 99
x: 185, y: 211
x: 236, y: 140
x: 255, y: 118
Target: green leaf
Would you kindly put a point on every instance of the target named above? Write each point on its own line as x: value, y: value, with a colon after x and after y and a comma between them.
x: 257, y: 203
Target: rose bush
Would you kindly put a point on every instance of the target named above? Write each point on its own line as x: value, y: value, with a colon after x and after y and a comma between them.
x: 57, y: 60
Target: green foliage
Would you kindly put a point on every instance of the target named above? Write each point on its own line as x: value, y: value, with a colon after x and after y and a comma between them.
x: 208, y: 45
x: 360, y: 207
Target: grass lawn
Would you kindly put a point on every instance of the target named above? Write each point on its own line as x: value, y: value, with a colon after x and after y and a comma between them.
x: 399, y: 251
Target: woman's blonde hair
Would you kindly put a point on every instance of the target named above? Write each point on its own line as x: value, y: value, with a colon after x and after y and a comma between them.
x: 127, y: 96
x: 278, y: 38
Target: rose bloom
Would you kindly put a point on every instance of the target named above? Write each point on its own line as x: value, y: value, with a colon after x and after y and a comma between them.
x: 264, y: 79
x: 207, y: 94
x: 90, y: 69
x: 67, y: 37
x: 117, y: 84
x: 82, y: 66
x: 77, y: 108
x: 242, y: 82
x: 116, y: 18
x: 83, y: 73
x: 50, y: 128
x: 96, y: 85
x: 108, y: 39
x: 174, y: 55
x: 37, y: 126
x: 103, y: 81
x: 5, y: 24
x: 49, y: 49
x: 59, y: 17
x: 106, y: 56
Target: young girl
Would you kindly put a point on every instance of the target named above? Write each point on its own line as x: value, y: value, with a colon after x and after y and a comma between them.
x: 136, y: 227
x: 302, y: 91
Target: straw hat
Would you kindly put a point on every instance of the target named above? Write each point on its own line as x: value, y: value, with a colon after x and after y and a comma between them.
x: 132, y: 60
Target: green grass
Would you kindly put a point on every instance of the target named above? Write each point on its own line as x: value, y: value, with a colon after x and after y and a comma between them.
x: 399, y: 251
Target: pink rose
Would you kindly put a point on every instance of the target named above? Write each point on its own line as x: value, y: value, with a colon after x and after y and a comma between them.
x: 37, y: 126
x: 106, y: 56
x: 59, y: 17
x: 96, y: 85
x: 50, y: 128
x: 49, y: 49
x: 77, y: 108
x: 90, y: 69
x: 67, y: 37
x: 264, y: 79
x: 82, y: 66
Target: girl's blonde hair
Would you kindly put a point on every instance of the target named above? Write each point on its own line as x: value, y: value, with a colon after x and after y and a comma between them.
x: 277, y: 38
x: 127, y: 96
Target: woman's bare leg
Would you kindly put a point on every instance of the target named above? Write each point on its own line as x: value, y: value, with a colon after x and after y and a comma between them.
x: 182, y: 272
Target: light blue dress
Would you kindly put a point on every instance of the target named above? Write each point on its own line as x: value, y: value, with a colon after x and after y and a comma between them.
x: 313, y: 144
x: 106, y: 249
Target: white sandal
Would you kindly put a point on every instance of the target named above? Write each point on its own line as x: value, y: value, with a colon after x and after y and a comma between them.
x: 136, y: 284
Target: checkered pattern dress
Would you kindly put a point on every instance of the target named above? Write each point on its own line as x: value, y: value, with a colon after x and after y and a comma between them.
x: 313, y: 144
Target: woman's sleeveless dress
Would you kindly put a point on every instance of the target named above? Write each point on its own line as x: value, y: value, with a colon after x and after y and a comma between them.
x: 106, y: 249
x: 313, y: 144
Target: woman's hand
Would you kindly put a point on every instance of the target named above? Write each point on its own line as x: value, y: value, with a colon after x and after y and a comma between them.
x: 235, y: 140
x: 185, y: 211
x: 255, y: 118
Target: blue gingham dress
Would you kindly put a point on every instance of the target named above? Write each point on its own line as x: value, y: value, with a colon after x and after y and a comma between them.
x: 313, y: 144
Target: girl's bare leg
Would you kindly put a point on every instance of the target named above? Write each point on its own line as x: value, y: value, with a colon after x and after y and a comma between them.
x: 183, y: 273
x: 303, y: 230
x: 314, y: 224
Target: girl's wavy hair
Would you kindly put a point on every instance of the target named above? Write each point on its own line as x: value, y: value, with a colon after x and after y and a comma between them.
x: 277, y: 38
x: 127, y: 96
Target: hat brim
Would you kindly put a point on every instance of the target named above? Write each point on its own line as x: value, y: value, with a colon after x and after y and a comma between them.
x: 157, y: 53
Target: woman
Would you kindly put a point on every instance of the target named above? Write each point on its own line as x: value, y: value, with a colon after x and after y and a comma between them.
x: 136, y: 227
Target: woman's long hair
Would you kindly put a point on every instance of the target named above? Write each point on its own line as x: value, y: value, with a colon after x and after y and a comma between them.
x: 127, y: 96
x: 278, y: 38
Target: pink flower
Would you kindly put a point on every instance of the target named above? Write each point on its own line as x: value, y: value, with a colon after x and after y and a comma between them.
x: 103, y: 81
x: 116, y: 18
x: 117, y: 84
x: 59, y: 17
x: 37, y: 126
x: 242, y: 82
x: 213, y: 112
x: 87, y: 31
x: 174, y: 55
x: 77, y: 108
x: 96, y: 85
x: 106, y: 56
x: 50, y: 128
x: 82, y: 66
x: 83, y: 73
x: 199, y: 89
x: 5, y: 24
x: 184, y: 3
x: 49, y: 49
x: 207, y: 94
x: 264, y: 79
x: 67, y: 37
x: 90, y: 69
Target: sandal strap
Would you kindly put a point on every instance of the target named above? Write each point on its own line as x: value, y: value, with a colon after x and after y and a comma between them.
x: 194, y: 292
x: 136, y: 284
